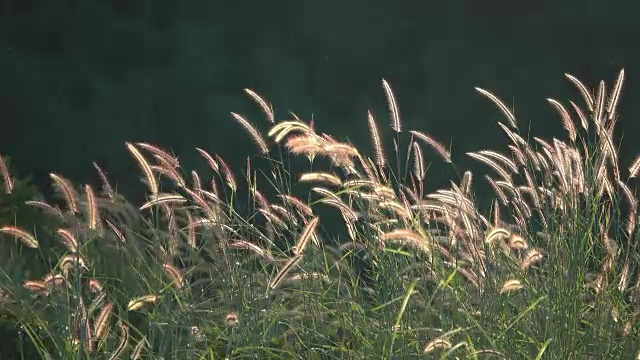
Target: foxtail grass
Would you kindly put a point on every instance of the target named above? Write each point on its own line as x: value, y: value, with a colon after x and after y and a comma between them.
x: 338, y: 254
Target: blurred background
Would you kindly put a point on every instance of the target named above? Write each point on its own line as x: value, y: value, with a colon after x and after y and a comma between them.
x: 79, y: 78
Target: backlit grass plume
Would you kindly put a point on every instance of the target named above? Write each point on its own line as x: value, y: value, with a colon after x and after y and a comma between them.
x: 356, y: 256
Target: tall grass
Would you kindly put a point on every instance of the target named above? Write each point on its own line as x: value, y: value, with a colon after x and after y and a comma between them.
x: 200, y: 271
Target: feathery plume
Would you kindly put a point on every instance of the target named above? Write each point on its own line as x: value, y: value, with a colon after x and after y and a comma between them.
x: 394, y: 112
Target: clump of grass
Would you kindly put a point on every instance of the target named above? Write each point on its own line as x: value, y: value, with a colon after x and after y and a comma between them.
x: 198, y: 272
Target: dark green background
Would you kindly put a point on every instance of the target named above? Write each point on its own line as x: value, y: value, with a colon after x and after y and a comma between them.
x: 78, y: 78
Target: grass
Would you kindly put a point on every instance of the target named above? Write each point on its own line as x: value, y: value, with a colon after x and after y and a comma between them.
x: 353, y: 257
